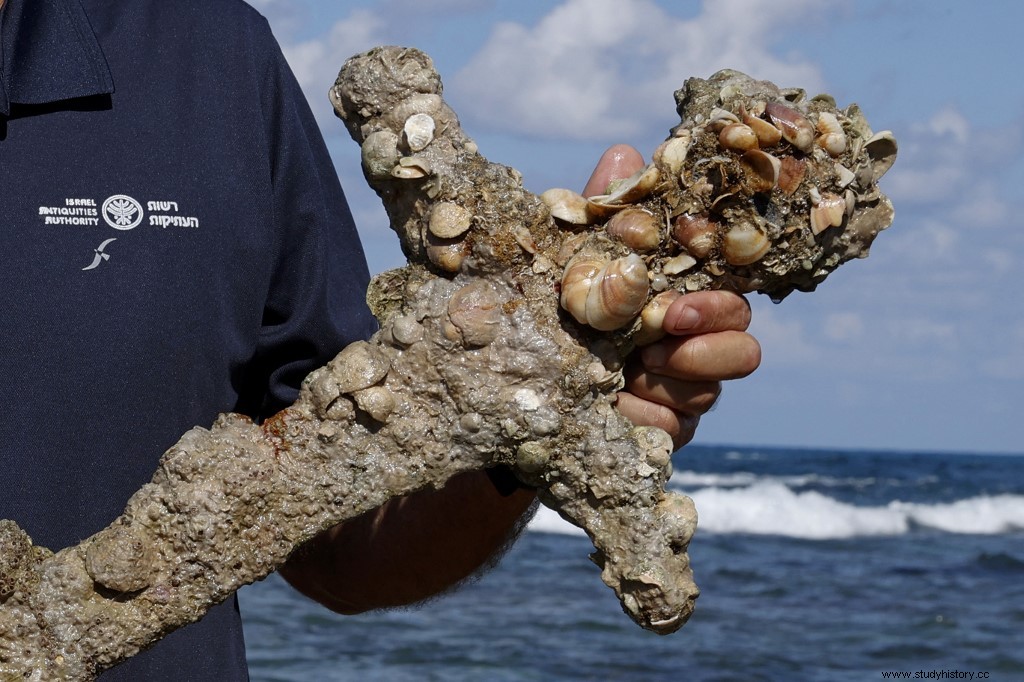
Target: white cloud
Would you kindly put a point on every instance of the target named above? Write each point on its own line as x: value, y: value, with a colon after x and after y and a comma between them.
x: 316, y: 62
x: 596, y: 69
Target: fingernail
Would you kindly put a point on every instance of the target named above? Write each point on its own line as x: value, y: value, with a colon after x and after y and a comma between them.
x: 653, y: 356
x: 686, y: 320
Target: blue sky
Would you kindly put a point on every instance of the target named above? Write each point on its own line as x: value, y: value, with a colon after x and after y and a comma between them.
x: 921, y: 346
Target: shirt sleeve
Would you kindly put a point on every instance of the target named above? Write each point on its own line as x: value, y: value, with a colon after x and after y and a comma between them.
x: 315, y: 304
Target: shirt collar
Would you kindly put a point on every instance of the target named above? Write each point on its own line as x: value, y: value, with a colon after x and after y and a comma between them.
x: 50, y: 54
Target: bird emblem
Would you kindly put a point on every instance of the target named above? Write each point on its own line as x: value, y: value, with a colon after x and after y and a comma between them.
x: 100, y: 255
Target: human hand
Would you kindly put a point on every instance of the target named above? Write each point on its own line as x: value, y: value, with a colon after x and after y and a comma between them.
x: 672, y: 382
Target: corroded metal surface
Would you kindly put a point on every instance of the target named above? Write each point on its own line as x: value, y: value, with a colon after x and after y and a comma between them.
x: 502, y: 342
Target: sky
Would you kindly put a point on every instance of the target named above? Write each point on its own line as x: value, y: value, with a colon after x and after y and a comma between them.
x: 921, y: 346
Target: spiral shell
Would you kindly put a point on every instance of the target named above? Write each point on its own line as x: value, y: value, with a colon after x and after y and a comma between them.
x: 637, y: 228
x: 653, y: 316
x: 695, y: 233
x: 603, y: 294
x: 793, y: 125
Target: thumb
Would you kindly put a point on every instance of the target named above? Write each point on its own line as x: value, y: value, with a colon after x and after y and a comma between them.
x: 619, y: 161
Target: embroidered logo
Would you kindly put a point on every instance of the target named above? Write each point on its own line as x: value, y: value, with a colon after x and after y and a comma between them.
x: 100, y: 256
x: 122, y: 212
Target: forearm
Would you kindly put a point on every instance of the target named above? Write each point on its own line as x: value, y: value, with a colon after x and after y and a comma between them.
x: 411, y: 548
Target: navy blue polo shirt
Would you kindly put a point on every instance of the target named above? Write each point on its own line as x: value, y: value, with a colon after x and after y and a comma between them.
x: 175, y: 245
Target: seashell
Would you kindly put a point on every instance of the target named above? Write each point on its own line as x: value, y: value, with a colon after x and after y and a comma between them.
x: 844, y: 175
x: 406, y: 330
x: 744, y: 244
x: 793, y: 125
x: 832, y: 138
x: 618, y: 293
x: 418, y: 131
x: 738, y: 137
x: 638, y: 229
x: 881, y: 150
x: 678, y: 264
x: 476, y: 312
x: 762, y: 170
x: 720, y: 118
x: 577, y: 278
x: 567, y: 205
x: 626, y: 191
x: 652, y: 317
x: 671, y: 154
x: 379, y: 153
x: 767, y: 134
x: 828, y: 210
x: 411, y: 167
x: 532, y: 456
x: 449, y: 220
x: 695, y: 233
x: 791, y: 173
x: 420, y: 103
x: 604, y: 294
x: 376, y: 401
x: 358, y: 366
x: 446, y: 254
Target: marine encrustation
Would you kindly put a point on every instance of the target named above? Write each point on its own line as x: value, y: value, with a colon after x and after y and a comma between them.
x: 502, y: 342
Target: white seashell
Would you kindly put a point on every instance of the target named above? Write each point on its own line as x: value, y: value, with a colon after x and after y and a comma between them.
x: 793, y: 125
x: 738, y: 137
x: 671, y: 154
x: 881, y: 150
x: 577, y: 278
x: 637, y: 228
x: 567, y: 205
x: 628, y: 190
x: 449, y: 220
x: 828, y: 210
x: 678, y: 264
x: 418, y: 131
x: 845, y: 175
x: 720, y: 118
x: 652, y: 317
x: 411, y: 167
x: 832, y: 138
x: 744, y: 244
x: 762, y: 170
x: 604, y: 294
x: 618, y: 294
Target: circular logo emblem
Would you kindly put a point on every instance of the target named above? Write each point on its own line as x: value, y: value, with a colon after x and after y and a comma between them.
x: 122, y: 212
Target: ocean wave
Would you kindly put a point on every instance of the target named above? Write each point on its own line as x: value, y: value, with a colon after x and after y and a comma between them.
x: 693, y: 479
x: 770, y: 507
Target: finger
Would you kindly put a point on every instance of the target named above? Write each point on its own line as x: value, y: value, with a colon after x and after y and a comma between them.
x: 690, y: 397
x: 717, y: 356
x: 619, y: 161
x: 679, y: 426
x: 707, y: 311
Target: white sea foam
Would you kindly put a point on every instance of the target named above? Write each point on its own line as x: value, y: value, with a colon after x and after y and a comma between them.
x: 770, y: 507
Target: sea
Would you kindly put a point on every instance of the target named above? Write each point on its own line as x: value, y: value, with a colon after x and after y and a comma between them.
x: 813, y: 565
